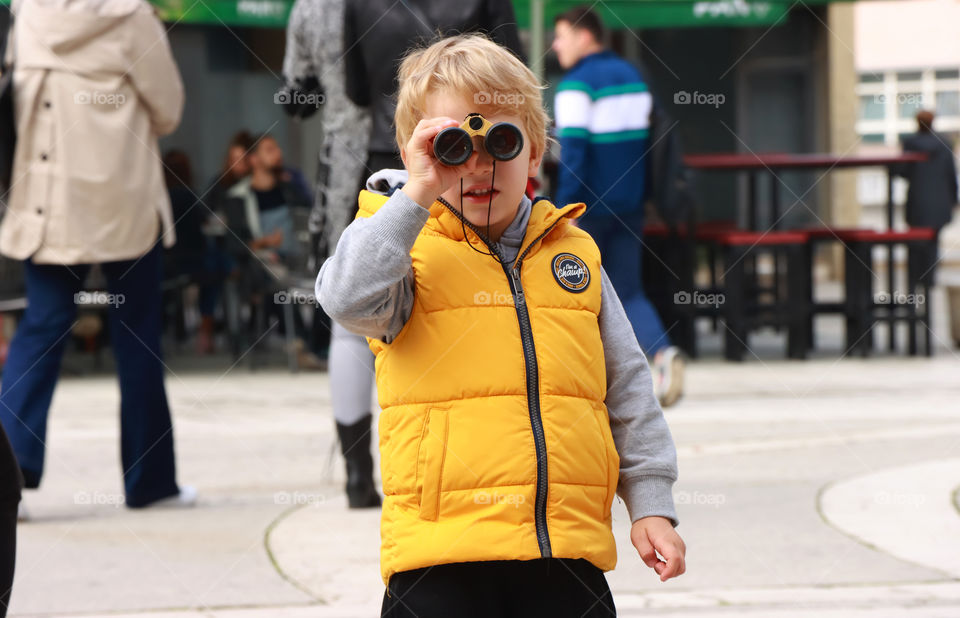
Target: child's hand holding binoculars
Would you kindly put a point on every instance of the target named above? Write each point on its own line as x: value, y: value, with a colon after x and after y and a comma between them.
x: 428, y: 177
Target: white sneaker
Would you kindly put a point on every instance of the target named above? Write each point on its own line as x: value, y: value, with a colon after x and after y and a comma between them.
x: 668, y: 367
x: 185, y: 499
x: 22, y: 514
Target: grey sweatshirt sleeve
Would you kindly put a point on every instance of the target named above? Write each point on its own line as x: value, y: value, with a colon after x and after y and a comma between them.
x: 367, y: 285
x: 648, y: 457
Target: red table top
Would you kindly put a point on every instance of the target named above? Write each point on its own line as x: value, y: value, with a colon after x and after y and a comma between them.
x: 749, y: 161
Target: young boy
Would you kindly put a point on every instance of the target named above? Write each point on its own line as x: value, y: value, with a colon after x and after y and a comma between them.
x: 515, y: 398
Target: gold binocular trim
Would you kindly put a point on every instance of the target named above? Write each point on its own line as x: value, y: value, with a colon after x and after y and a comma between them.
x: 454, y: 145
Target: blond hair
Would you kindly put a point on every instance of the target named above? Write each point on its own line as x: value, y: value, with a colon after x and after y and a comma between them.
x: 474, y: 66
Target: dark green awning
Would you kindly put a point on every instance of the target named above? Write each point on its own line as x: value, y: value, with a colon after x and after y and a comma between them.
x: 615, y: 13
x: 263, y: 13
x: 671, y: 13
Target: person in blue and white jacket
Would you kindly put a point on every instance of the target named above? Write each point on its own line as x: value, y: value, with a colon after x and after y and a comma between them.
x: 602, y: 114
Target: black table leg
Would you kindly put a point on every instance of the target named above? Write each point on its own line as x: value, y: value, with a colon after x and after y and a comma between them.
x: 798, y: 311
x: 733, y: 307
x: 858, y: 304
x: 809, y: 252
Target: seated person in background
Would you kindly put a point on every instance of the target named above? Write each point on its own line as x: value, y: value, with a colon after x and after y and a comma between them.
x: 236, y: 167
x: 259, y: 212
x: 194, y: 255
x: 188, y: 216
x: 260, y: 203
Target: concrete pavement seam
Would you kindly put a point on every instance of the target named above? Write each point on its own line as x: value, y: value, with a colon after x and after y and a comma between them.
x: 819, y: 508
x: 273, y: 559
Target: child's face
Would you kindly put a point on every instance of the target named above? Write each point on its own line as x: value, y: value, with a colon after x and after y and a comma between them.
x: 510, y: 180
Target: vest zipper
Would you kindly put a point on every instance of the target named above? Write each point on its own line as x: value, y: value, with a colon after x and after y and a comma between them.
x: 533, y: 407
x: 532, y: 373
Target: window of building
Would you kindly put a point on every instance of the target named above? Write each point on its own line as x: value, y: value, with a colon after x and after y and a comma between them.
x: 871, y: 107
x: 908, y: 104
x: 948, y: 103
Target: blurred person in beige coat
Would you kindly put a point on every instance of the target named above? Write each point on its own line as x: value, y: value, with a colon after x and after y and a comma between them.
x: 95, y: 85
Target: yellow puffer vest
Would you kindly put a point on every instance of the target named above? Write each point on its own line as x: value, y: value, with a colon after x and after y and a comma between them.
x: 495, y: 442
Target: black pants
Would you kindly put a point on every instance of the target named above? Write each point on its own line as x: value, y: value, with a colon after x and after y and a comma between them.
x: 924, y: 261
x: 554, y: 587
x: 10, y: 483
x: 377, y: 161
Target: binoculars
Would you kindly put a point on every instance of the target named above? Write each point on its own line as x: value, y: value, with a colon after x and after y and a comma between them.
x: 454, y: 145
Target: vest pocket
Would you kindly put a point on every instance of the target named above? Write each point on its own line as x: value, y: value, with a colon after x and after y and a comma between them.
x: 613, y: 460
x: 430, y: 457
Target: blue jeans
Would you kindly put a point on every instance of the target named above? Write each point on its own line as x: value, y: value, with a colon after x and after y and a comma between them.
x: 279, y: 219
x: 36, y: 351
x: 619, y: 240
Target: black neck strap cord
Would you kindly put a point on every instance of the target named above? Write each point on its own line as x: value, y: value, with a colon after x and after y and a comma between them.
x: 463, y: 217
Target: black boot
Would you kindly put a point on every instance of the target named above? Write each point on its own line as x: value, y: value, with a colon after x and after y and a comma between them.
x: 355, y: 445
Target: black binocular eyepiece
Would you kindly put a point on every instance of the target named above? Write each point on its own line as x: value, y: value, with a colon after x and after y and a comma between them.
x: 454, y: 145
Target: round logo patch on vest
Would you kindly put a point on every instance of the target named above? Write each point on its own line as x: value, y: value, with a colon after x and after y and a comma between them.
x: 570, y: 272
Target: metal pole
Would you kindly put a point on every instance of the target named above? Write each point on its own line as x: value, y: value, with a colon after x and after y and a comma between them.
x: 892, y: 343
x: 536, y: 38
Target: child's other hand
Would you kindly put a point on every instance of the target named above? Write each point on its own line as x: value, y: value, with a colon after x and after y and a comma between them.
x: 656, y: 534
x: 428, y: 177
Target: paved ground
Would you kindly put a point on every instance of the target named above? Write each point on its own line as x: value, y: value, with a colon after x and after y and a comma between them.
x: 827, y: 488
